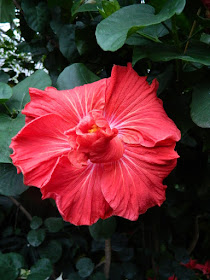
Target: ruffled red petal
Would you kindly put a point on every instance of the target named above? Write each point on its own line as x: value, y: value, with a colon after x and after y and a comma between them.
x: 77, y: 193
x: 133, y: 184
x: 98, y: 166
x: 72, y: 105
x: 133, y: 108
x: 37, y: 147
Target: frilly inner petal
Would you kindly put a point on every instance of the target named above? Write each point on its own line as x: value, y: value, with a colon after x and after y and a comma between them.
x: 92, y: 139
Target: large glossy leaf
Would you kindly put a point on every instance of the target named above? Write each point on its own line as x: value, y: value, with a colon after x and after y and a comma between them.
x: 154, y: 32
x: 79, y: 7
x: 8, y: 128
x: 5, y: 92
x: 67, y: 42
x: 159, y: 52
x: 75, y: 75
x: 36, y: 16
x: 111, y: 33
x: 39, y: 79
x: 4, y: 77
x: 109, y: 7
x: 41, y: 270
x: 7, y: 10
x: 11, y: 183
x: 200, y: 106
x: 10, y: 265
x: 87, y: 7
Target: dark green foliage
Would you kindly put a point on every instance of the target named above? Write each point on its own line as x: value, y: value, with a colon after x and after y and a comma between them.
x: 85, y: 267
x: 54, y: 224
x: 35, y: 237
x: 41, y: 270
x: 103, y: 229
x: 36, y: 222
x: 10, y: 265
x: 77, y: 42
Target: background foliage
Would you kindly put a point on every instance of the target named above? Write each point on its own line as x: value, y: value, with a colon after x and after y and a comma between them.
x: 77, y: 42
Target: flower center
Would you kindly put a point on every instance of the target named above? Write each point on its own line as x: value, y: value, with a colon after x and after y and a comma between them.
x: 92, y: 139
x: 94, y: 128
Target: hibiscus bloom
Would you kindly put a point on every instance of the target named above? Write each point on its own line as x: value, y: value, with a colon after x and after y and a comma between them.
x: 205, y: 268
x: 98, y: 150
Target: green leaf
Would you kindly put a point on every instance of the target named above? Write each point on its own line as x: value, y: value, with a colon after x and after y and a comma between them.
x: 7, y: 10
x: 8, y: 128
x: 41, y: 270
x: 36, y: 236
x: 154, y: 32
x: 11, y: 183
x: 109, y: 7
x: 20, y: 97
x: 112, y: 32
x: 54, y: 224
x: 200, y: 106
x: 75, y: 75
x: 67, y: 43
x: 5, y: 92
x: 87, y: 7
x: 137, y: 40
x: 205, y: 38
x: 37, y: 17
x: 52, y: 251
x: 4, y: 77
x: 103, y: 229
x: 10, y: 265
x: 159, y: 52
x: 85, y: 267
x: 36, y: 222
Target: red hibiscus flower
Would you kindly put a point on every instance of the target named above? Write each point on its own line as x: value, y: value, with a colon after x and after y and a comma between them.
x: 205, y: 268
x: 101, y: 149
x: 191, y: 264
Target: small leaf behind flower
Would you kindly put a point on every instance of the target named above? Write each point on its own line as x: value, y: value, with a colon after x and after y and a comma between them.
x: 39, y: 79
x: 200, y: 106
x: 103, y: 229
x: 75, y: 75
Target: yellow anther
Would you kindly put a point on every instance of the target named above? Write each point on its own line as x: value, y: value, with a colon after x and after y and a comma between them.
x: 94, y: 128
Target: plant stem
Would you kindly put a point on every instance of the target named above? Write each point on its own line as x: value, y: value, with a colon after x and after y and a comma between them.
x: 107, y: 257
x: 7, y: 109
x: 191, y: 31
x: 175, y: 33
x: 20, y: 206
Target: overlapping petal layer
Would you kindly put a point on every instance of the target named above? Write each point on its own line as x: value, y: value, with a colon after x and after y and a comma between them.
x: 72, y: 105
x: 134, y: 183
x: 133, y: 108
x: 77, y: 193
x: 38, y: 146
x: 99, y: 150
